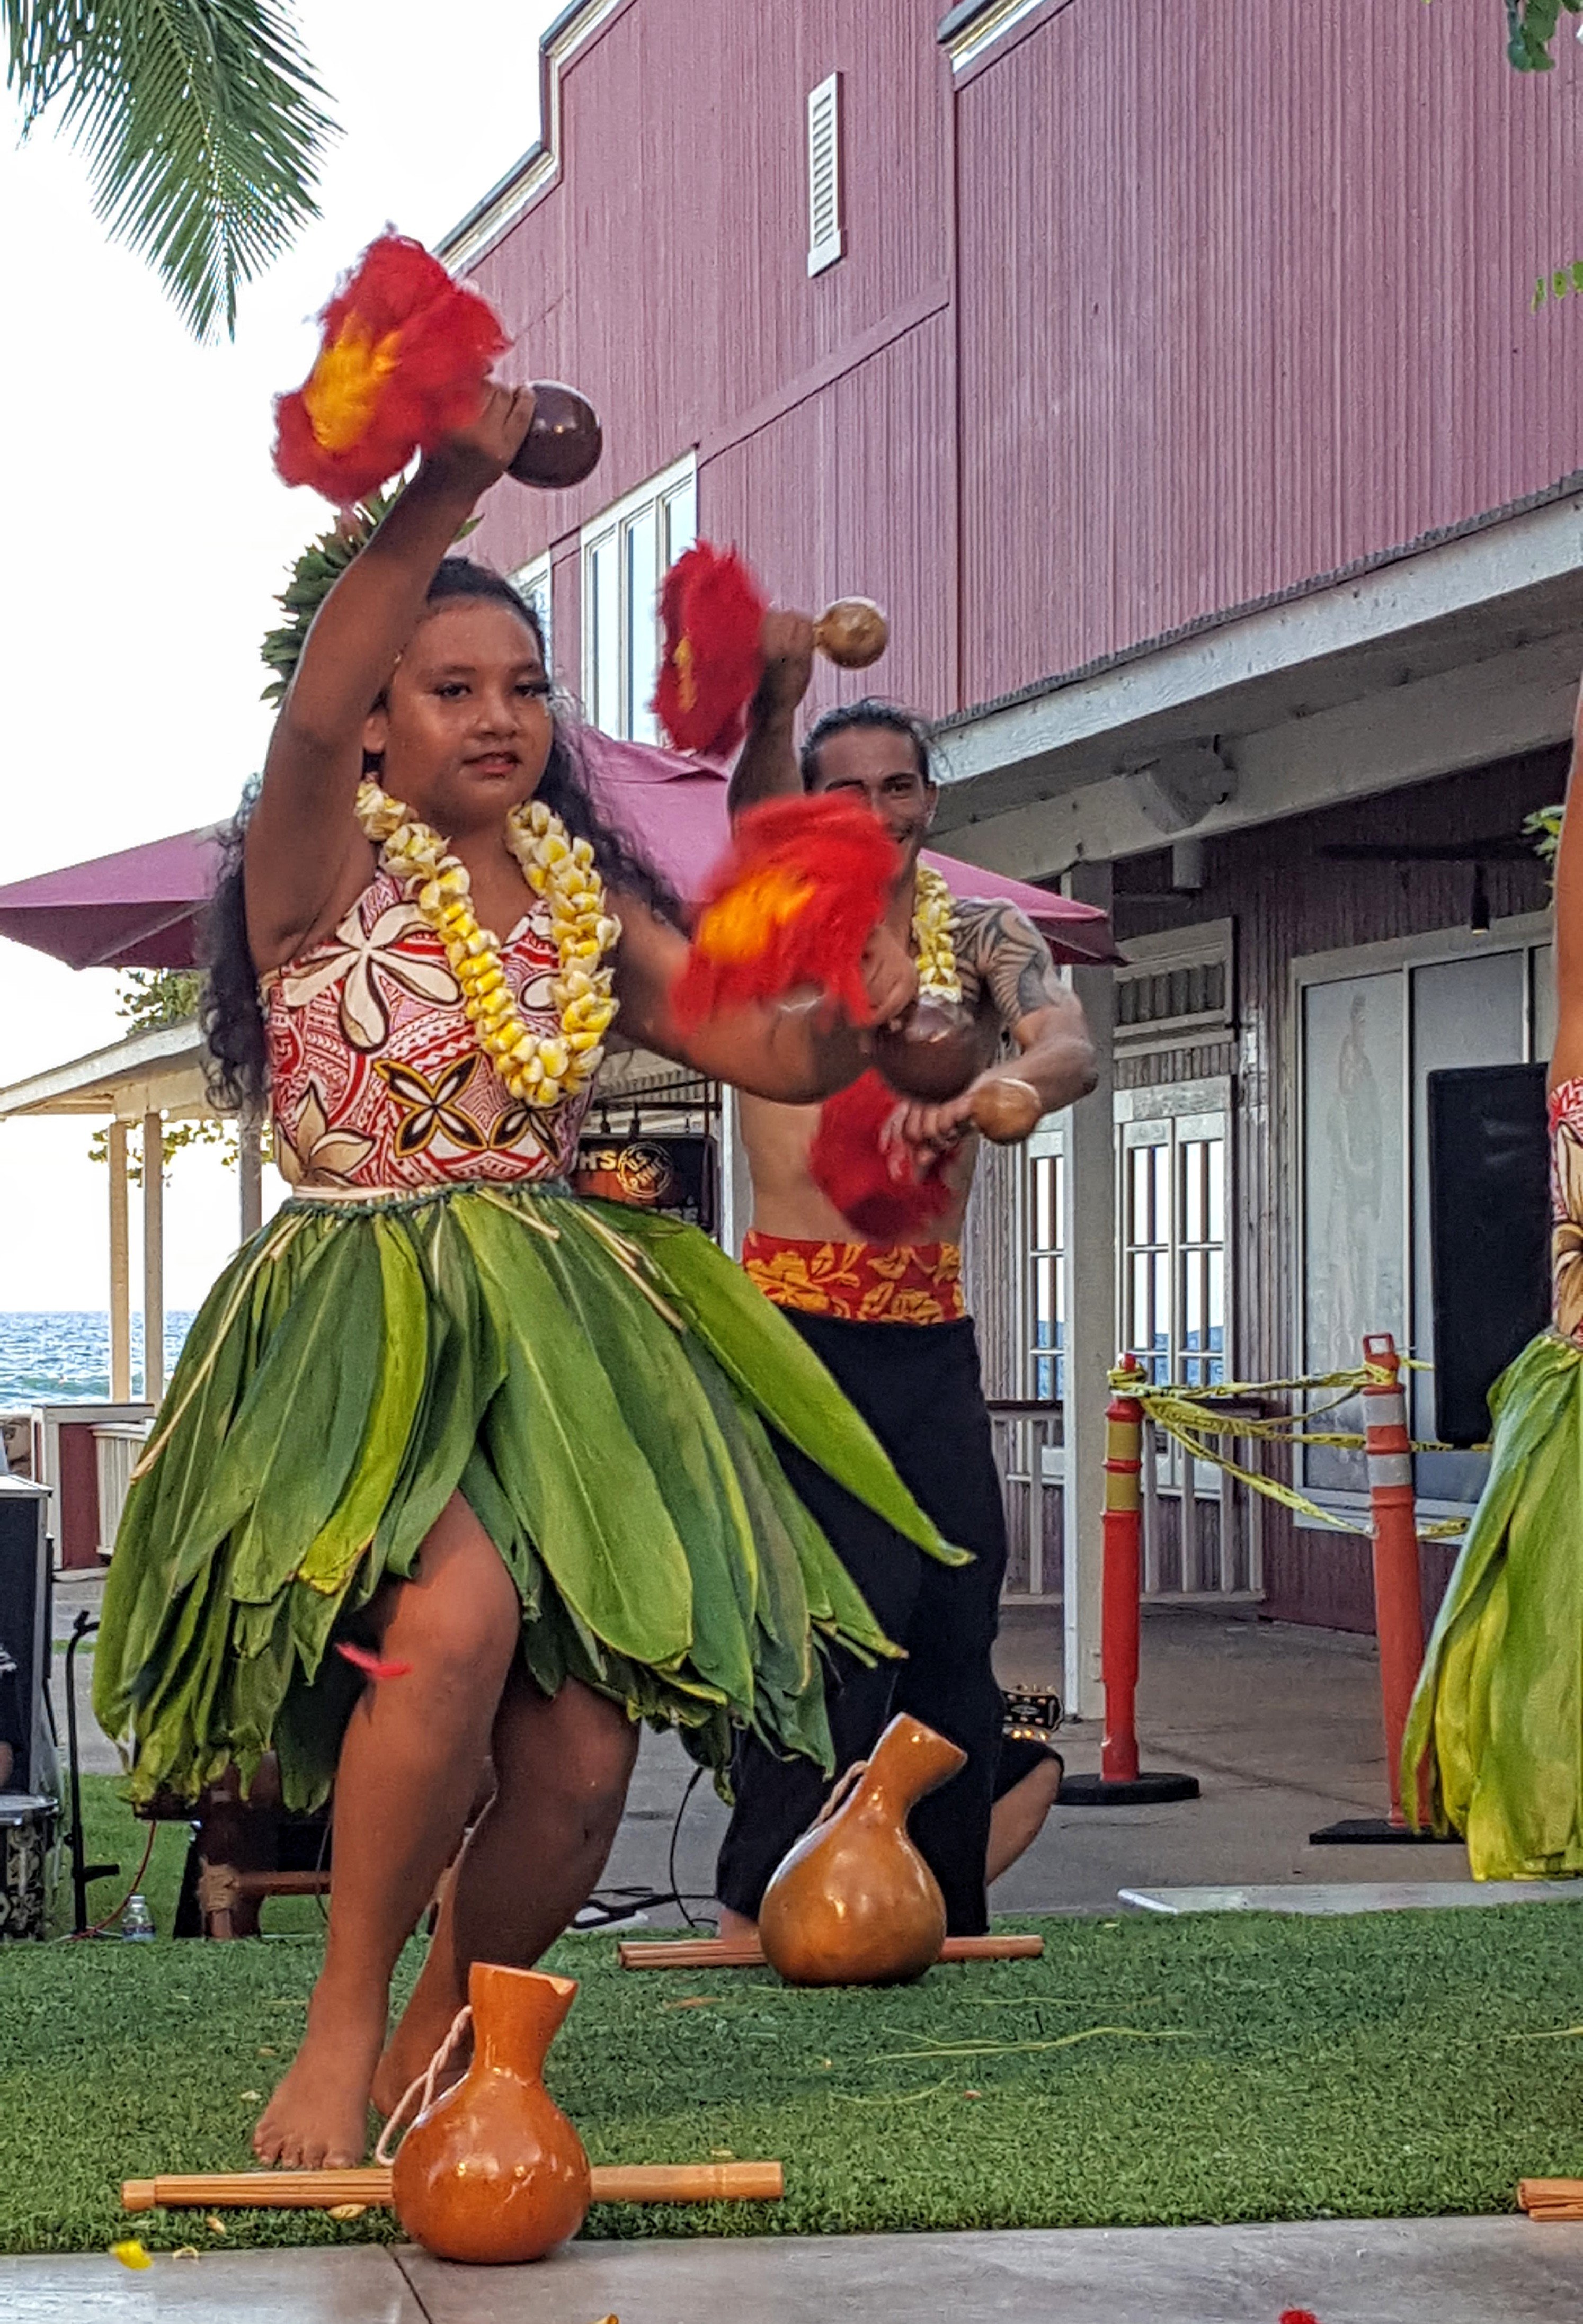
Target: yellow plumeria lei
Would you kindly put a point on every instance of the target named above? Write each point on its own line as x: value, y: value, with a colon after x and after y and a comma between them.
x: 931, y: 936
x: 536, y: 1067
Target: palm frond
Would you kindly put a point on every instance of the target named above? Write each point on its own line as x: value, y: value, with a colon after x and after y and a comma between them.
x: 1531, y: 27
x: 201, y: 122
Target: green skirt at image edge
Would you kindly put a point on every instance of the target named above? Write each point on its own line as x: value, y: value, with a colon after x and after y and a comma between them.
x: 596, y: 1381
x: 1499, y: 1705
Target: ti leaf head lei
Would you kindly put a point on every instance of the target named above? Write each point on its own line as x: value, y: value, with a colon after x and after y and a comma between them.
x: 314, y: 575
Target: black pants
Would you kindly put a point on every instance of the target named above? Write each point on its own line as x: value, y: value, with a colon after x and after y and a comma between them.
x: 918, y: 1388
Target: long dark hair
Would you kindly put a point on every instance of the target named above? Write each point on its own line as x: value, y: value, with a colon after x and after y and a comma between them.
x: 237, y: 1071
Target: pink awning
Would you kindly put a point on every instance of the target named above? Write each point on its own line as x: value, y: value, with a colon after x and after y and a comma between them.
x: 136, y: 909
x: 674, y: 807
x: 140, y: 908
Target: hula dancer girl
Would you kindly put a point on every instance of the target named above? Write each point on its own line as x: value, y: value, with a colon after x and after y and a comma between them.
x: 1499, y: 1706
x: 507, y: 1447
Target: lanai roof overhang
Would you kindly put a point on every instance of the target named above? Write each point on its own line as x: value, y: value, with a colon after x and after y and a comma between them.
x: 1456, y: 651
x: 156, y: 1072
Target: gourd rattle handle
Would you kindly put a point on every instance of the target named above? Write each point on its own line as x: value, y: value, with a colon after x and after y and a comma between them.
x: 852, y: 632
x: 564, y: 439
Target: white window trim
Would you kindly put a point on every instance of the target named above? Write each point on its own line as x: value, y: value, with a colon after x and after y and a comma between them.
x: 531, y: 581
x: 982, y: 30
x: 1048, y: 1142
x: 609, y: 525
x: 825, y: 249
x: 1522, y: 932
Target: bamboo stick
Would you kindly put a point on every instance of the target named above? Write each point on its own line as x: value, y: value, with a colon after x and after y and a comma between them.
x: 264, y: 2191
x: 326, y: 2190
x: 720, y: 1952
x: 1552, y: 2198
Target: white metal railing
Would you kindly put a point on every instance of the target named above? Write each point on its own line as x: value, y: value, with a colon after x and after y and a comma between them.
x: 1202, y: 1532
x: 1028, y: 1453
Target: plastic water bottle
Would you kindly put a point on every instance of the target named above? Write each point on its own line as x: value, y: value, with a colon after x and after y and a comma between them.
x: 137, y: 1923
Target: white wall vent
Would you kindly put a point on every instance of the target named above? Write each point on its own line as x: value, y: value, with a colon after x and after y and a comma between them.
x: 827, y: 242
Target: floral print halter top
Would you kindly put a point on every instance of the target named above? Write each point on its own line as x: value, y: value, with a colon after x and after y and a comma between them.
x: 1566, y: 1179
x: 376, y: 1080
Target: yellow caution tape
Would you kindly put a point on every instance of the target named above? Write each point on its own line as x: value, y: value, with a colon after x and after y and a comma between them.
x: 1185, y: 1415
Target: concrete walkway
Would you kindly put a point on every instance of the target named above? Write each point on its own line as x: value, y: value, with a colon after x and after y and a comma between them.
x: 1280, y: 1726
x: 1346, y: 2272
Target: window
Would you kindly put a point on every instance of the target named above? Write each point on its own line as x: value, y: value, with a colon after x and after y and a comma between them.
x: 1374, y: 1023
x: 625, y: 552
x: 1047, y: 1275
x: 533, y: 582
x: 1173, y: 1246
x: 825, y: 240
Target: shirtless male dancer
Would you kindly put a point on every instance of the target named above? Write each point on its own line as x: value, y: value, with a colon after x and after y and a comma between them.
x: 888, y: 1322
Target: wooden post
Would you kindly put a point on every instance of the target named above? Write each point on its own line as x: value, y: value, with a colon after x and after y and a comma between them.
x: 154, y: 1258
x: 250, y: 1174
x: 120, y: 1271
x: 1091, y: 1334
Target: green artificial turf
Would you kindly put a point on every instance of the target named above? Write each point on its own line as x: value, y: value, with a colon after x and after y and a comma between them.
x: 1392, y: 2064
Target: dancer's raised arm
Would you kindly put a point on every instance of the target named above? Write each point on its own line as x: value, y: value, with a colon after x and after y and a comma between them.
x: 1567, y: 1062
x: 303, y: 844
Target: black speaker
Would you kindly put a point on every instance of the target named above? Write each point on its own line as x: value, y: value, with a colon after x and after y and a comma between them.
x: 1490, y: 1228
x: 24, y: 1633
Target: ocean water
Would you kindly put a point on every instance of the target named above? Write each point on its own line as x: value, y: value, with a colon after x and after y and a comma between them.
x: 64, y: 1358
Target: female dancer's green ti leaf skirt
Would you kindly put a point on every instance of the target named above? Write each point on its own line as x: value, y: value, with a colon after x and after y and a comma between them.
x: 596, y: 1381
x: 1499, y: 1705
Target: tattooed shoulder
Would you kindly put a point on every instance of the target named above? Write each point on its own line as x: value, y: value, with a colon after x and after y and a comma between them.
x: 1008, y: 958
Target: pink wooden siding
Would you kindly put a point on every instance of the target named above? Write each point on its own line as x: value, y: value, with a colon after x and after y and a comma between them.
x: 1244, y: 296
x: 665, y: 272
x: 1240, y: 295
x: 831, y: 499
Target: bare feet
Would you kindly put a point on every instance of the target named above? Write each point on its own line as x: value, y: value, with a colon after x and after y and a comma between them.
x: 736, y: 1928
x: 318, y: 2118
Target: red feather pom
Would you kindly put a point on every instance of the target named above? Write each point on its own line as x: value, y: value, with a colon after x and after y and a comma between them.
x: 793, y: 903
x: 886, y: 1191
x: 712, y: 611
x: 370, y: 1664
x: 1298, y: 2316
x: 405, y: 352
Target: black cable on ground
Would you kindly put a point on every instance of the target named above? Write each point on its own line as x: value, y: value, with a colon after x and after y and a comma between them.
x: 607, y: 1906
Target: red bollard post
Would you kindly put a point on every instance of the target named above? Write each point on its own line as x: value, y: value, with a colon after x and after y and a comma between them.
x: 1398, y: 1600
x: 1118, y: 1782
x: 1398, y: 1604
x: 1123, y: 1574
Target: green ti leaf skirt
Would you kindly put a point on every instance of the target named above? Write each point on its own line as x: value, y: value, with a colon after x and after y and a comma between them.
x: 1499, y: 1705
x: 598, y: 1382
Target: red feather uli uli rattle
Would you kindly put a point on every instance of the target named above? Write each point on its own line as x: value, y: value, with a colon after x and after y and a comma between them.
x: 404, y: 357
x: 712, y: 612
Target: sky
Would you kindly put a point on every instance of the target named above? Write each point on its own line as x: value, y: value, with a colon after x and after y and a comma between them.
x: 145, y: 535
